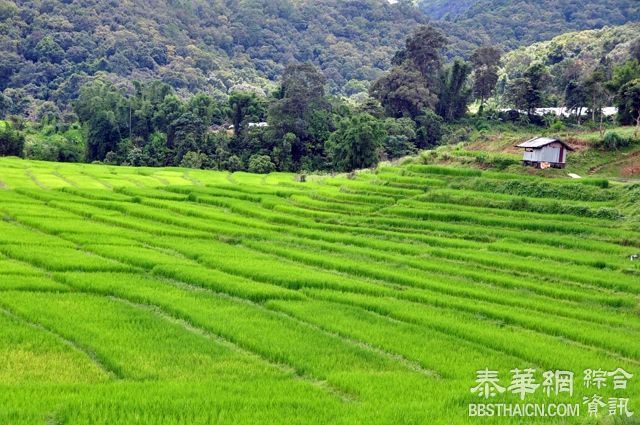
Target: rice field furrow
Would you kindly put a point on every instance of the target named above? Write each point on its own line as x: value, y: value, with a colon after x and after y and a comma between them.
x: 368, y: 298
x: 112, y: 373
x: 221, y: 340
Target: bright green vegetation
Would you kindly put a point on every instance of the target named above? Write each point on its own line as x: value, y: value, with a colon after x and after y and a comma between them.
x: 182, y: 296
x: 472, y: 144
x: 574, y: 49
x: 508, y: 24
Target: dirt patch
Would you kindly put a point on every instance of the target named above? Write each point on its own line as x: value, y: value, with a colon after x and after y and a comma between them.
x: 631, y: 167
x: 631, y: 170
x: 578, y: 144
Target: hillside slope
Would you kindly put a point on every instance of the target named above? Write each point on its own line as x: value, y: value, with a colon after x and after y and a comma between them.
x: 186, y: 296
x: 49, y: 48
x: 513, y: 23
x: 576, y: 53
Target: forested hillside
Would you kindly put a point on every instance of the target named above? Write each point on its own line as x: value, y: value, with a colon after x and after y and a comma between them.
x: 513, y: 23
x: 49, y: 48
x: 574, y: 56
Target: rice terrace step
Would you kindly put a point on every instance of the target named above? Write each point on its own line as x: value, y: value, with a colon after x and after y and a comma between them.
x: 409, y: 294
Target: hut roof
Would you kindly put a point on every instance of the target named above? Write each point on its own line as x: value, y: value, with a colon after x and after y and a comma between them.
x: 540, y: 142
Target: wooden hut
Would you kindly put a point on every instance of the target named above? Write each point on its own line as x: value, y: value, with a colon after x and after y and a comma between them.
x: 544, y: 150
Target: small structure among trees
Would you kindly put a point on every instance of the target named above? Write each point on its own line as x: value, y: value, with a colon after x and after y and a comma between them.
x: 543, y: 151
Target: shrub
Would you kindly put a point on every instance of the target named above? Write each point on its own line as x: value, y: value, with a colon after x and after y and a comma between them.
x: 557, y: 125
x: 261, y: 164
x: 234, y: 163
x: 430, y: 129
x: 613, y: 141
x: 11, y: 141
x: 110, y: 158
x: 193, y: 160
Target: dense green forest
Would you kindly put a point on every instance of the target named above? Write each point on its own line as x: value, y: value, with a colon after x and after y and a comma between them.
x: 48, y: 49
x: 509, y: 24
x: 422, y: 101
x: 292, y: 86
x: 572, y: 57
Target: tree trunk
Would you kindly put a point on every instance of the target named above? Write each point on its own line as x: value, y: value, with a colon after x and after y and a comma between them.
x: 635, y: 133
x: 579, y: 114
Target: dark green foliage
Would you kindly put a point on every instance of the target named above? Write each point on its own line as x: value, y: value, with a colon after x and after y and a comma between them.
x: 193, y: 160
x: 58, y: 148
x: 486, y: 61
x: 413, y: 84
x: 509, y: 24
x: 586, y: 69
x: 613, y: 141
x: 301, y: 109
x: 50, y: 48
x: 527, y: 93
x: 261, y: 164
x: 454, y: 92
x: 400, y: 138
x: 628, y: 100
x: 403, y: 92
x: 356, y: 142
x: 105, y: 112
x: 430, y: 129
x: 11, y: 141
x: 422, y: 49
x: 245, y: 107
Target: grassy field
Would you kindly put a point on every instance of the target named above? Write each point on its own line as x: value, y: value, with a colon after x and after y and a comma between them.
x: 173, y: 296
x: 495, y: 148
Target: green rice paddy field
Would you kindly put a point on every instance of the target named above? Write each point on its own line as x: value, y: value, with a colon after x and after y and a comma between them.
x: 172, y: 296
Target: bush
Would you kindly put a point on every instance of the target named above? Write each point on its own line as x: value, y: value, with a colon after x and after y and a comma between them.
x: 193, y: 160
x: 11, y: 141
x: 234, y: 163
x: 57, y: 148
x: 613, y: 141
x: 430, y: 129
x: 557, y: 125
x: 261, y: 164
x: 111, y: 158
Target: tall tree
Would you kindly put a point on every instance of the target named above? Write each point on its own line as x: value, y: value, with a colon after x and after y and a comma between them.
x: 486, y: 62
x: 622, y: 76
x: 104, y: 112
x: 527, y: 93
x: 403, y: 92
x: 454, y: 92
x: 355, y: 143
x: 599, y: 96
x: 423, y: 48
x: 11, y: 141
x: 243, y: 107
x: 576, y: 97
x: 299, y: 109
x: 413, y: 84
x: 629, y: 101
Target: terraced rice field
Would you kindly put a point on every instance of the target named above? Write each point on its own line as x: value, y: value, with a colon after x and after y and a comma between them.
x: 171, y: 296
